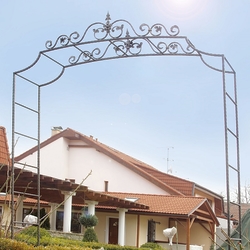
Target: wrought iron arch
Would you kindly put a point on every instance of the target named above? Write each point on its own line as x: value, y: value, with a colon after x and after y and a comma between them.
x: 116, y: 40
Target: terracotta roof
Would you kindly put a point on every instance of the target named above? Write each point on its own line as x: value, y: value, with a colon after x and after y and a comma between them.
x: 174, y: 206
x: 4, y: 198
x: 4, y: 150
x: 164, y: 203
x: 184, y: 186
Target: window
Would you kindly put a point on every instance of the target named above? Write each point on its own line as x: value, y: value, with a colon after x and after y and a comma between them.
x: 75, y: 223
x: 151, y: 231
x: 27, y: 211
x: 59, y: 220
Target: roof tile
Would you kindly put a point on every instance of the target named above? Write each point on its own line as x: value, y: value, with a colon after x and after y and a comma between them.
x: 4, y: 150
x: 181, y: 205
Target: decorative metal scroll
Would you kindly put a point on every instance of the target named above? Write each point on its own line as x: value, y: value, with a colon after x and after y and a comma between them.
x: 118, y: 39
x: 121, y: 38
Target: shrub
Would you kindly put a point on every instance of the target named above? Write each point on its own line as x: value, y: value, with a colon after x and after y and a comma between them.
x: 7, y: 244
x: 90, y: 235
x: 151, y: 245
x: 88, y: 220
x: 32, y: 231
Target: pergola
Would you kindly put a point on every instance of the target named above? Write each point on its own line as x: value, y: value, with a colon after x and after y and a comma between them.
x: 51, y: 189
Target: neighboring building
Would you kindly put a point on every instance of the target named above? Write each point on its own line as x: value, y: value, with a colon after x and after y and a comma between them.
x: 4, y: 163
x: 156, y: 200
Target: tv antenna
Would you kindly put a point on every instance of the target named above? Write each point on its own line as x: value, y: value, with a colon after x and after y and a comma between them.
x: 169, y: 169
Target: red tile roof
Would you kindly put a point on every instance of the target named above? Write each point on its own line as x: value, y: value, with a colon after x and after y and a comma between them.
x: 4, y: 150
x: 184, y: 186
x: 4, y: 198
x: 172, y: 206
x: 165, y: 204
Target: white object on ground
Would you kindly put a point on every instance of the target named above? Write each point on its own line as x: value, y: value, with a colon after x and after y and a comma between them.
x: 170, y: 233
x: 30, y: 219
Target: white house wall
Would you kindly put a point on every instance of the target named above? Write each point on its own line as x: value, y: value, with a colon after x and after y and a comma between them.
x: 131, y: 224
x: 120, y: 178
x: 53, y: 159
x: 60, y: 159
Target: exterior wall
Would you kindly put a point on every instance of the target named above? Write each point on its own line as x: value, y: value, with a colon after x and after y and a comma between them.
x: 84, y: 160
x: 131, y: 224
x: 198, y: 234
x: 54, y: 159
x: 101, y: 228
x: 131, y: 229
x: 158, y: 231
x: 62, y: 161
x: 6, y: 215
x: 209, y: 197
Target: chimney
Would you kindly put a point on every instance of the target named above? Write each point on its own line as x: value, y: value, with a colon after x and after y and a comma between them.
x: 56, y: 130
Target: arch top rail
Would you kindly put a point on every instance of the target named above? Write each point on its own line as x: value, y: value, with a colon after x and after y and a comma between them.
x: 115, y: 30
x: 116, y: 40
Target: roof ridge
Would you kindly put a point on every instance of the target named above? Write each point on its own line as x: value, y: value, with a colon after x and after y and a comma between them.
x: 158, y: 195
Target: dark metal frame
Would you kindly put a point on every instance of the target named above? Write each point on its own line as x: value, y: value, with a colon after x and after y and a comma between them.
x: 117, y: 40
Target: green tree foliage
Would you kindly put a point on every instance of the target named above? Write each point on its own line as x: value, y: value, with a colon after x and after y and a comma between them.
x: 32, y: 231
x: 88, y: 220
x: 151, y: 245
x: 90, y: 235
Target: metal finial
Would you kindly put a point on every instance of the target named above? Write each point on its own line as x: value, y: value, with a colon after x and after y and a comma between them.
x: 127, y: 34
x: 108, y: 18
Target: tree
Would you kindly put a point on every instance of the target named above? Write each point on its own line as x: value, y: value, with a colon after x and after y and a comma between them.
x: 244, y: 193
x: 89, y: 221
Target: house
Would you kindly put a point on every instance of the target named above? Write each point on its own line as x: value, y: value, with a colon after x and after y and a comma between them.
x: 157, y: 200
x: 57, y: 194
x: 4, y: 162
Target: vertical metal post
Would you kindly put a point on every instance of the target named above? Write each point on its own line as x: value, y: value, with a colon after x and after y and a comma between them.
x: 38, y: 165
x: 13, y: 155
x: 226, y: 147
x: 238, y: 155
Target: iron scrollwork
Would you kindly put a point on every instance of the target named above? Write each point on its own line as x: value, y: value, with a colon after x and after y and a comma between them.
x: 120, y: 39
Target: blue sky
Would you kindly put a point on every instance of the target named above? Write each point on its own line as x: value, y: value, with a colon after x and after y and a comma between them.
x: 140, y: 106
